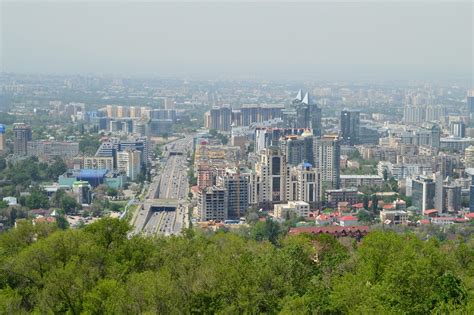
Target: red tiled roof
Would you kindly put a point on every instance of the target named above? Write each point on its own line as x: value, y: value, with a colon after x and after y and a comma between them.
x: 328, y: 229
x: 348, y: 218
x: 470, y: 215
x: 450, y: 219
x: 431, y: 211
x: 389, y: 206
x: 45, y: 219
x: 424, y: 221
x: 323, y: 217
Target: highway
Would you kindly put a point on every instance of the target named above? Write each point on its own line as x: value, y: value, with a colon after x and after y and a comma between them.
x: 170, y: 184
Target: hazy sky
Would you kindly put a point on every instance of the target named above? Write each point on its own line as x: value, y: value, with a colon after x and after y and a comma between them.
x: 346, y: 40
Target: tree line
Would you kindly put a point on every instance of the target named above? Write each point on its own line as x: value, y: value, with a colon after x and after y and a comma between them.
x: 99, y: 270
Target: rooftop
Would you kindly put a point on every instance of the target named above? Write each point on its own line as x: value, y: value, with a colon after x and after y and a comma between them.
x: 348, y: 218
x: 361, y: 176
x: 329, y: 229
x: 92, y: 172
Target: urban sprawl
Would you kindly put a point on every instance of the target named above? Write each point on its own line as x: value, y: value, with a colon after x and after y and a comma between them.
x: 168, y: 155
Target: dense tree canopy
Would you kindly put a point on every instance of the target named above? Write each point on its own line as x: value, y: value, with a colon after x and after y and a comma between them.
x: 99, y: 270
x: 89, y: 144
x: 29, y: 171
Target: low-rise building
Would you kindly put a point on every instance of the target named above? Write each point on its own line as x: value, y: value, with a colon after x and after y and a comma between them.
x: 446, y: 220
x: 99, y: 162
x: 357, y: 181
x: 300, y: 208
x: 393, y: 216
x: 11, y: 201
x: 334, y: 196
x: 51, y: 149
x: 348, y: 220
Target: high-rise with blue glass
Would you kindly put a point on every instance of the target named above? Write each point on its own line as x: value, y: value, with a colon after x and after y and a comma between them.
x: 2, y: 139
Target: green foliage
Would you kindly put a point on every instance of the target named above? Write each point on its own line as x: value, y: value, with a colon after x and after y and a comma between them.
x: 7, y: 119
x: 62, y: 222
x: 28, y: 172
x: 112, y: 192
x: 89, y: 144
x: 3, y: 204
x: 65, y: 202
x: 215, y: 134
x: 223, y: 138
x: 374, y: 201
x: 3, y: 164
x: 159, y: 150
x: 401, y: 274
x: 364, y: 216
x: 365, y: 202
x: 58, y: 167
x: 36, y: 200
x: 267, y: 230
x: 99, y: 270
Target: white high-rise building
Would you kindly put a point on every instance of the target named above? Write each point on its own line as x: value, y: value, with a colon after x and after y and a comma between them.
x: 304, y: 184
x: 128, y: 162
x: 469, y: 157
x: 435, y: 113
x: 413, y: 114
x: 268, y: 183
x: 309, y: 183
x: 99, y: 162
x: 327, y: 156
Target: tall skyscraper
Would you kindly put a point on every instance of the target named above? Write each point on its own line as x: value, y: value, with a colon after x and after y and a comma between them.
x: 222, y: 118
x: 304, y: 184
x: 2, y: 139
x: 439, y: 192
x: 471, y: 198
x: 349, y: 126
x: 122, y: 111
x: 22, y: 134
x: 423, y: 193
x: 452, y: 200
x: 435, y: 136
x: 212, y: 203
x: 267, y: 137
x: 458, y: 129
x: 269, y: 181
x: 470, y: 103
x: 111, y: 111
x: 469, y: 157
x: 215, y: 115
x: 413, y: 114
x: 298, y: 149
x: 435, y: 113
x: 237, y: 189
x: 129, y: 162
x: 308, y: 114
x: 225, y: 118
x: 327, y: 157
